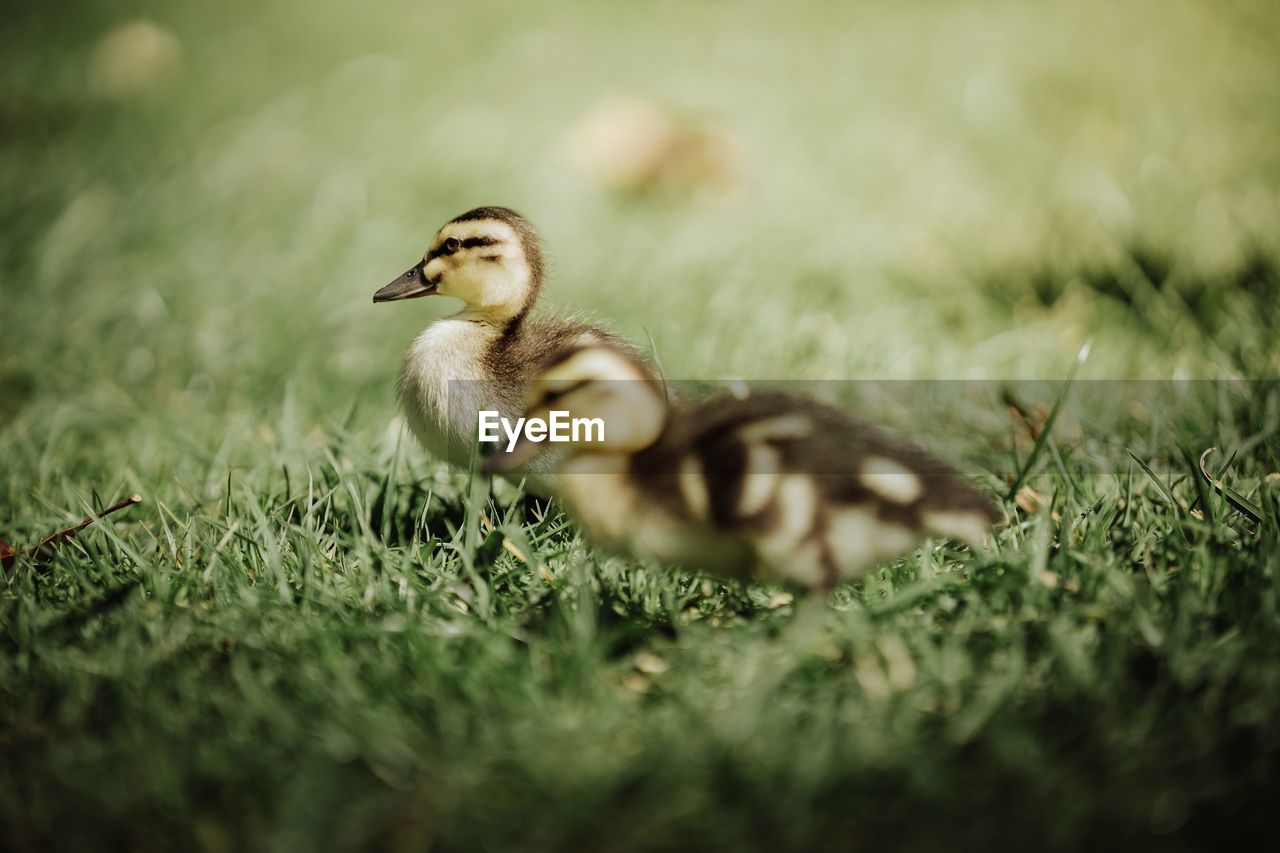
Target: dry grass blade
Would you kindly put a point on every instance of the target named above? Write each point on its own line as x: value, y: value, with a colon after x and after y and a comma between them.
x: 43, y: 550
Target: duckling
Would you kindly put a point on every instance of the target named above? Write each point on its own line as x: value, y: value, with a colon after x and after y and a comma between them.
x: 482, y: 357
x: 774, y: 485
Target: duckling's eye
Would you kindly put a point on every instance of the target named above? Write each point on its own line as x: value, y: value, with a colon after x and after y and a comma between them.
x: 450, y: 246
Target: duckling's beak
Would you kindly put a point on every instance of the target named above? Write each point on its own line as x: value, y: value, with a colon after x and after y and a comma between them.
x: 411, y: 285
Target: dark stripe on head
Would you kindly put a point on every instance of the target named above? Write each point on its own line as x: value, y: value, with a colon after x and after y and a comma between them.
x: 528, y: 240
x: 469, y: 243
x: 551, y: 396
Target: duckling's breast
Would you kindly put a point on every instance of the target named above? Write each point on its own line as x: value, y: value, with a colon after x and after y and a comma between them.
x: 444, y: 384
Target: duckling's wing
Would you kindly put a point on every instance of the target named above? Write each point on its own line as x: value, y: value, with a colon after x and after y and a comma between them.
x: 819, y: 495
x: 862, y: 464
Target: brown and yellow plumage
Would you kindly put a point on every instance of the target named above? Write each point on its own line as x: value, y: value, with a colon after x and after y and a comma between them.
x: 483, y: 357
x: 771, y: 484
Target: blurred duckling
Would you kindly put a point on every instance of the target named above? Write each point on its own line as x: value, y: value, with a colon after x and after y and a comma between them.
x: 635, y: 145
x: 483, y: 356
x: 773, y: 485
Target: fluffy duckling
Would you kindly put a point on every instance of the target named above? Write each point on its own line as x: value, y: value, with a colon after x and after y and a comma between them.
x: 774, y: 485
x: 482, y: 357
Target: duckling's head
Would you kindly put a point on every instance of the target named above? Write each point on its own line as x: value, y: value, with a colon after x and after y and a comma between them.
x: 596, y: 383
x: 490, y: 258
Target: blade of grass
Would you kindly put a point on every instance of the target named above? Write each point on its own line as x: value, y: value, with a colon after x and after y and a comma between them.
x: 1202, y: 494
x: 1043, y: 438
x: 1237, y: 500
x: 1160, y: 486
x: 477, y: 491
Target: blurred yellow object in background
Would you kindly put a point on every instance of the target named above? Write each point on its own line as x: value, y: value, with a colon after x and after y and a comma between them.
x: 133, y: 60
x: 633, y: 144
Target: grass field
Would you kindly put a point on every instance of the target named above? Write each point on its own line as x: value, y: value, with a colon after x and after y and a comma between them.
x: 304, y: 638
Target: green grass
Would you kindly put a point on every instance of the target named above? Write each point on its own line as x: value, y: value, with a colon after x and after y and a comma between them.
x: 305, y: 638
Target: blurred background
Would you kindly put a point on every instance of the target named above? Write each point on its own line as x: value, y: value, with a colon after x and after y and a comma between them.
x: 197, y: 202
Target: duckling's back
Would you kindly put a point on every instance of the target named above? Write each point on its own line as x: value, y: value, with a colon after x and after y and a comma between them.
x: 525, y: 349
x: 818, y: 495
